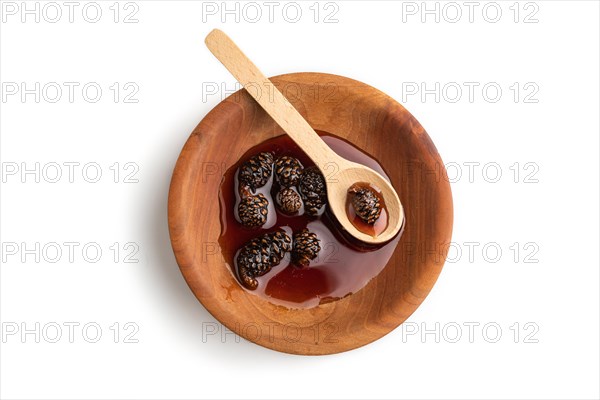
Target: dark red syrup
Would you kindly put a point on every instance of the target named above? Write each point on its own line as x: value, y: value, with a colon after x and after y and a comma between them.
x: 343, y: 266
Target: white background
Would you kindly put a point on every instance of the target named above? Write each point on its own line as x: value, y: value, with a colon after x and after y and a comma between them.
x: 547, y: 291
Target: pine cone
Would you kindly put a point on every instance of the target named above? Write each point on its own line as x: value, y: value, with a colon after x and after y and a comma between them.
x: 289, y: 201
x: 288, y: 171
x: 255, y: 172
x: 260, y: 255
x: 253, y: 210
x: 306, y: 247
x: 281, y: 243
x: 366, y: 203
x: 313, y: 190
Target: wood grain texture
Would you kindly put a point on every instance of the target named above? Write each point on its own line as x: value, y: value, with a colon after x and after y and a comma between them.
x: 371, y: 121
x: 289, y: 119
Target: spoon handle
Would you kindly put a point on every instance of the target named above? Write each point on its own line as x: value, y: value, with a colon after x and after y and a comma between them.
x: 269, y: 97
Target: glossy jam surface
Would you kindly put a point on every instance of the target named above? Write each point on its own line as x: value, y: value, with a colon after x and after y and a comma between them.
x: 343, y: 266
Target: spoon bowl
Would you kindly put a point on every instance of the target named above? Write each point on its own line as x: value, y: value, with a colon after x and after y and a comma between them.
x: 346, y: 174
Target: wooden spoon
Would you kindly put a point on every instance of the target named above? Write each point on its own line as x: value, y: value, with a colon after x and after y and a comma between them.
x: 290, y: 120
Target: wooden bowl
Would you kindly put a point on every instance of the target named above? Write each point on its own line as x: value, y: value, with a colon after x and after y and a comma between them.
x: 370, y: 120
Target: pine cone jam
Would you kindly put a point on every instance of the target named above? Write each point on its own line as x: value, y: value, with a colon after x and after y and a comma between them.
x: 366, y: 208
x: 279, y: 236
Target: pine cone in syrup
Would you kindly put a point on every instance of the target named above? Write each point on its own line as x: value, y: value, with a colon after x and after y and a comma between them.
x: 306, y: 247
x: 253, y: 210
x: 366, y: 203
x: 255, y: 172
x: 260, y: 255
x: 288, y: 201
x: 313, y: 190
x: 288, y: 171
